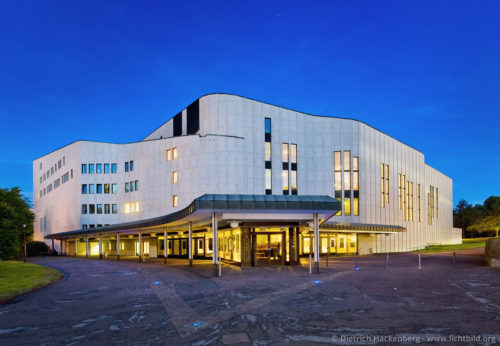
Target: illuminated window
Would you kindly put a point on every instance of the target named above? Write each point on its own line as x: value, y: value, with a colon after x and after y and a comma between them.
x: 114, y: 188
x: 384, y: 184
x: 268, y: 155
x: 293, y: 153
x: 293, y: 182
x: 337, y: 177
x: 174, y: 200
x: 127, y: 208
x: 137, y: 206
x: 174, y: 154
x: 132, y: 207
x: 169, y: 154
x: 174, y: 177
x: 284, y: 152
x: 107, y: 188
x: 418, y: 202
x: 284, y: 177
x: 355, y: 185
x: 437, y: 202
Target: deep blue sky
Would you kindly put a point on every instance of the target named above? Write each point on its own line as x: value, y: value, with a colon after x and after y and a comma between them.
x: 427, y: 73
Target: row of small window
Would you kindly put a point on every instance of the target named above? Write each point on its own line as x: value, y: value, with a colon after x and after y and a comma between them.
x: 132, y: 207
x: 99, y: 208
x: 171, y: 154
x: 52, y: 169
x: 132, y: 186
x: 93, y: 226
x: 97, y: 168
x: 99, y: 188
x: 64, y: 178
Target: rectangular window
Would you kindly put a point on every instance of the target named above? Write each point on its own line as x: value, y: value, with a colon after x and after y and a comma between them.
x: 169, y: 154
x: 347, y: 160
x: 84, y: 189
x: 99, y: 188
x: 337, y: 177
x: 84, y: 209
x: 284, y: 152
x: 106, y: 168
x: 267, y: 156
x: 347, y: 181
x: 136, y: 183
x: 99, y: 209
x: 114, y: 188
x: 114, y: 208
x: 126, y: 187
x: 293, y: 153
x: 284, y: 177
x: 126, y: 166
x: 98, y: 168
x: 91, y: 168
x: 113, y: 168
x: 91, y: 188
x: 355, y: 185
x: 127, y: 208
x: 174, y: 200
x: 84, y: 168
x: 131, y: 186
x: 418, y: 202
x: 437, y: 202
x: 107, y: 209
x: 347, y: 206
x: 136, y: 207
x: 131, y: 166
x: 174, y: 177
x: 91, y: 208
x: 293, y: 182
x: 174, y: 153
x: 107, y: 188
x: 268, y: 182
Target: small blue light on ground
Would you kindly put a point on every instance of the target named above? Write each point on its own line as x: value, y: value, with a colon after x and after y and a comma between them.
x: 139, y: 268
x: 357, y: 268
x: 156, y: 282
x: 196, y: 324
x: 316, y: 282
x: 46, y: 257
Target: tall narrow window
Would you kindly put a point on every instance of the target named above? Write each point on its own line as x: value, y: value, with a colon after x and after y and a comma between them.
x: 169, y: 154
x: 293, y: 168
x: 107, y: 188
x: 175, y: 200
x: 355, y: 185
x: 418, y: 202
x: 400, y: 191
x: 174, y: 177
x: 174, y: 154
x: 437, y: 202
x: 284, y: 172
x: 91, y: 168
x: 268, y: 156
x: 91, y: 188
x: 106, y: 168
x: 114, y: 188
x: 384, y: 184
x: 126, y: 166
x: 113, y: 168
x: 337, y: 166
x: 84, y: 168
x: 347, y: 182
x: 98, y: 168
x: 131, y: 166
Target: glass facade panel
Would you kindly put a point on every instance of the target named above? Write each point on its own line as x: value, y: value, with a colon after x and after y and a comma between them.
x: 284, y: 152
x: 347, y: 160
x: 293, y: 153
x: 268, y: 151
x: 284, y: 177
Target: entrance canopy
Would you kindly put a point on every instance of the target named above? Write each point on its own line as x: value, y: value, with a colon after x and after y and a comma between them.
x: 352, y: 227
x: 229, y: 209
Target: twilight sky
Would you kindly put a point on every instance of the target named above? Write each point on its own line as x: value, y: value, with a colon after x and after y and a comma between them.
x: 424, y: 72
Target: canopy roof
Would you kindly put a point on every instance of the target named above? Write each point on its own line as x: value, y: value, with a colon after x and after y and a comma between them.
x: 230, y: 207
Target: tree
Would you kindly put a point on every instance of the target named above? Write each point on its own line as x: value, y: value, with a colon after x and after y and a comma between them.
x: 486, y: 224
x: 14, y: 214
x: 491, y: 204
x: 466, y: 214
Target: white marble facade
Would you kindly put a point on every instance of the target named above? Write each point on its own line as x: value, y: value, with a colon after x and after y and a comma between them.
x: 226, y: 156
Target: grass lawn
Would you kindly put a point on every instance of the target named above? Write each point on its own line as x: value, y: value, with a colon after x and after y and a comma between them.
x: 466, y: 244
x: 18, y: 277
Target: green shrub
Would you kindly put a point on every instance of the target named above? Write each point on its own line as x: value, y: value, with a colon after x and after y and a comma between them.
x: 37, y: 248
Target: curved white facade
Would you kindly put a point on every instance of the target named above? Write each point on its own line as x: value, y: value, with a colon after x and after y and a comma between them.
x: 226, y: 155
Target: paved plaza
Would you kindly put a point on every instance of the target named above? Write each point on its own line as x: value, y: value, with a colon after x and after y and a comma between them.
x: 352, y: 301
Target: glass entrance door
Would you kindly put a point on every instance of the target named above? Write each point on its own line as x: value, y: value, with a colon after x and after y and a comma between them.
x: 269, y: 248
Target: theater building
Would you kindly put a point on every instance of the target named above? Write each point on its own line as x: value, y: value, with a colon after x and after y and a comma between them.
x: 246, y: 181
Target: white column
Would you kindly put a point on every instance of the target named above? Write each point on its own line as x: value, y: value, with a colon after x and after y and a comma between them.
x: 190, y: 243
x: 100, y: 246
x: 118, y: 247
x: 316, y: 243
x: 86, y: 247
x: 214, y: 243
x: 165, y: 252
x: 140, y: 246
